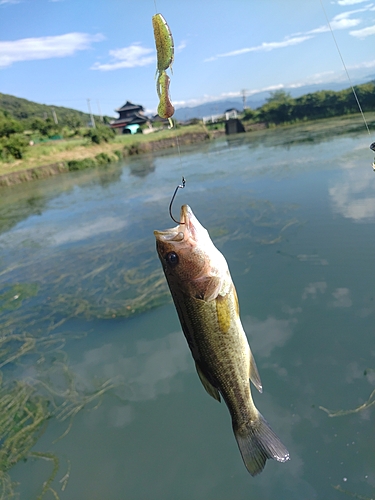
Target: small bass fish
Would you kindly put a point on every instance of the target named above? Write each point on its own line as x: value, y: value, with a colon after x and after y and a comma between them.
x: 206, y: 302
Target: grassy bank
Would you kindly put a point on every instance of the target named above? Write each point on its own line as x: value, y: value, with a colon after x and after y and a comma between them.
x: 54, y: 157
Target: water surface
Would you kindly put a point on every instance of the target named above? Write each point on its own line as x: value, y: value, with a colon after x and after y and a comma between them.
x: 80, y: 277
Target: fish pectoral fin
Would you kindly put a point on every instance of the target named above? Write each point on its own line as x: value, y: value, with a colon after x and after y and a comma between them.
x: 208, y: 288
x: 254, y: 374
x: 212, y: 391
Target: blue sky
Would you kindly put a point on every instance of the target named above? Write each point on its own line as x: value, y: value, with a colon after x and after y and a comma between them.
x: 65, y: 51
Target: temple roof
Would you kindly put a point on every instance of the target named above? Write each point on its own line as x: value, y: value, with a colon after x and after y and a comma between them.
x: 131, y: 119
x: 129, y: 106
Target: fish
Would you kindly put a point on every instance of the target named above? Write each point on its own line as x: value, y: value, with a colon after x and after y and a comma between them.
x: 206, y: 302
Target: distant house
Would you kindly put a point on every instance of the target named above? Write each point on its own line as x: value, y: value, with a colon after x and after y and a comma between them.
x: 231, y: 113
x: 131, y: 115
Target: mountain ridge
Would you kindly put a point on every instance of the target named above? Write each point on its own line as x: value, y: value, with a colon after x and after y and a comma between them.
x: 256, y: 100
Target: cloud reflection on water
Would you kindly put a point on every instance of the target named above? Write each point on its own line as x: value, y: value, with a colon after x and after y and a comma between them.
x: 265, y: 335
x: 352, y: 196
x: 144, y: 375
x: 342, y: 298
x: 313, y: 288
x: 88, y: 230
x: 43, y: 234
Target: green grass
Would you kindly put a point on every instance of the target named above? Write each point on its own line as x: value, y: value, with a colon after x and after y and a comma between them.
x: 72, y: 151
x: 68, y: 150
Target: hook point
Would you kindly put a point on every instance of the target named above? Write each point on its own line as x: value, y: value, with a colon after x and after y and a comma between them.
x: 180, y: 186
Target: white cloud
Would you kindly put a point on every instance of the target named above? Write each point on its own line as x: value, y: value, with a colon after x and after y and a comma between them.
x: 264, y: 47
x: 344, y: 23
x: 339, y: 22
x: 2, y: 2
x: 128, y: 57
x: 224, y: 95
x: 350, y: 2
x: 29, y: 49
x: 364, y: 64
x: 180, y: 46
x: 370, y: 30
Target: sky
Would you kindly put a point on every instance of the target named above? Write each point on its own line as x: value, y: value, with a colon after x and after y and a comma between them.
x: 64, y: 52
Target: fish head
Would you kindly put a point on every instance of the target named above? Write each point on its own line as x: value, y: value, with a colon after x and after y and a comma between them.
x: 189, y: 258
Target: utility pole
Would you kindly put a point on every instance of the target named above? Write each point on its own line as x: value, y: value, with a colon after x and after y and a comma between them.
x: 90, y: 113
x: 243, y: 92
x: 100, y: 111
x: 55, y: 116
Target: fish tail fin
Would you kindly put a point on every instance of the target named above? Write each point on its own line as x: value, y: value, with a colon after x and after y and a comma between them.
x: 257, y: 442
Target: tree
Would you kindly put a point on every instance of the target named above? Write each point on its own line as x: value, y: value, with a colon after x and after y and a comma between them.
x: 14, y: 146
x: 73, y: 122
x: 279, y: 96
x: 45, y: 127
x: 249, y: 114
x: 9, y: 126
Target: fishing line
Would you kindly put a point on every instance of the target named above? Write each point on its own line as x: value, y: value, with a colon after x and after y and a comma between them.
x: 346, y: 71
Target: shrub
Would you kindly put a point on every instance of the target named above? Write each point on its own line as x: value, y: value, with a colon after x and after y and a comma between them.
x: 74, y: 165
x: 103, y: 159
x: 9, y: 126
x: 100, y: 134
x: 14, y: 146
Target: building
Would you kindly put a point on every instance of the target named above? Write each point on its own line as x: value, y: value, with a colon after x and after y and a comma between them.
x: 131, y: 115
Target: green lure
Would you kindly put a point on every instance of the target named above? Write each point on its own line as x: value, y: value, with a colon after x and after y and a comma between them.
x: 165, y: 108
x: 165, y: 55
x: 163, y: 42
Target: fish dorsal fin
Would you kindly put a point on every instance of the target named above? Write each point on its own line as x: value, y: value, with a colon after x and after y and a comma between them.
x: 212, y: 391
x: 254, y: 374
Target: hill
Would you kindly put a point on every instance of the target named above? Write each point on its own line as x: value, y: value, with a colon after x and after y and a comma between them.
x: 22, y: 109
x: 255, y: 100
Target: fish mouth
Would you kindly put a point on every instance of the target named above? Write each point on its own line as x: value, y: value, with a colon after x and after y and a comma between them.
x: 177, y: 233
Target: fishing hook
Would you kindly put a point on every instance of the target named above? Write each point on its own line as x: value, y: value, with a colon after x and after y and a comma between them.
x: 180, y: 186
x: 372, y: 147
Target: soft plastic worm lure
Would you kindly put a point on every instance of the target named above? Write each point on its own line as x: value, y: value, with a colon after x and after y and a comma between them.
x: 165, y: 55
x: 165, y: 108
x: 164, y: 43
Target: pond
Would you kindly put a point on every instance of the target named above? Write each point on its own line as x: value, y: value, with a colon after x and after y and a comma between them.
x: 100, y: 398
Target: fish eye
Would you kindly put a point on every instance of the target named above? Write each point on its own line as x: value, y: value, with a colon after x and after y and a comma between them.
x: 172, y: 259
